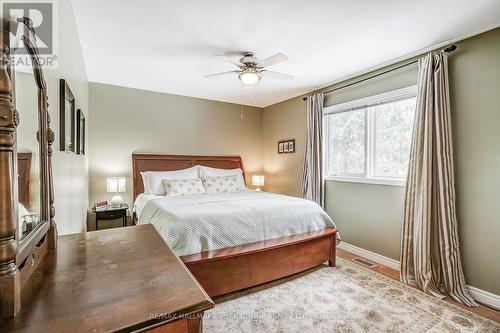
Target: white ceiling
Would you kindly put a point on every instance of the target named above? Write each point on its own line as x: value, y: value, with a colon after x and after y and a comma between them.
x: 168, y: 45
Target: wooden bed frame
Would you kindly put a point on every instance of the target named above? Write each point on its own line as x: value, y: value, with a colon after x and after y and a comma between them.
x: 238, y: 267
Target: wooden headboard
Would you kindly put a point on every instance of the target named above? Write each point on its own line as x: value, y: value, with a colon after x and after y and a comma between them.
x: 153, y: 162
x: 24, y: 179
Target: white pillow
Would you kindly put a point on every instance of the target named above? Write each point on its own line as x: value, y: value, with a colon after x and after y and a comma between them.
x: 216, y: 172
x: 144, y: 183
x: 181, y: 187
x: 226, y: 184
x: 153, y: 179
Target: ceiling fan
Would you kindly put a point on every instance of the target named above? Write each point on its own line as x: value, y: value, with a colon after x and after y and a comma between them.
x: 251, y: 69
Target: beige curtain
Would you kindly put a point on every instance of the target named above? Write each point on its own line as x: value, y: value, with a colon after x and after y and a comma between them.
x: 312, y: 178
x: 430, y: 254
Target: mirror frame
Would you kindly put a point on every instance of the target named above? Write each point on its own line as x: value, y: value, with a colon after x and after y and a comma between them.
x: 14, y: 252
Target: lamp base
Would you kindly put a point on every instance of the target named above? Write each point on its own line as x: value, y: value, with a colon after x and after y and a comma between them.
x: 116, y: 201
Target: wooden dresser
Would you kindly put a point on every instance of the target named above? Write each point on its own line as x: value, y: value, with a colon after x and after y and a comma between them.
x: 124, y: 279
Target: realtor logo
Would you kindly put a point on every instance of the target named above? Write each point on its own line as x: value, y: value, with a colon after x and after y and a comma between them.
x: 42, y: 16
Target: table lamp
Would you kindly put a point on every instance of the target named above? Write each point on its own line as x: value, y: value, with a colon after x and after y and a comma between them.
x: 115, y: 185
x: 258, y: 180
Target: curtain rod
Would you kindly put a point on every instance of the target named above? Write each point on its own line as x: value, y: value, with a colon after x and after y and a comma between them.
x: 449, y: 49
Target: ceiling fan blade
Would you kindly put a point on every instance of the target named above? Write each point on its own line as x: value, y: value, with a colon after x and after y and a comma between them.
x: 277, y: 75
x: 221, y: 74
x: 272, y: 60
x: 229, y: 60
x: 234, y: 54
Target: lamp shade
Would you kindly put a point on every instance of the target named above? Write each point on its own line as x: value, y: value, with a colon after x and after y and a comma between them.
x: 115, y: 184
x: 258, y: 180
x: 249, y: 76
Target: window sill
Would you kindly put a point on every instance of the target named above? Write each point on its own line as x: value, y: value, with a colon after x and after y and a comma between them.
x: 376, y: 181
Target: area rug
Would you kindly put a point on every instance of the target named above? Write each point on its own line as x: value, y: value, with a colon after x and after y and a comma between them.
x: 346, y: 298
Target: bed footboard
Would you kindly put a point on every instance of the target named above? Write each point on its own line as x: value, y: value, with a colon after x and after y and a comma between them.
x: 235, y: 268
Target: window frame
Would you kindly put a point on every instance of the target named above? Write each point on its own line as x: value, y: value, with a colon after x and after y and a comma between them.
x: 370, y: 143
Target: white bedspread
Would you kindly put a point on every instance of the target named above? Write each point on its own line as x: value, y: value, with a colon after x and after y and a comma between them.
x: 198, y: 223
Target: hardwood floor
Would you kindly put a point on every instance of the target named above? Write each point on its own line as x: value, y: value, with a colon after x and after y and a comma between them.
x: 392, y: 273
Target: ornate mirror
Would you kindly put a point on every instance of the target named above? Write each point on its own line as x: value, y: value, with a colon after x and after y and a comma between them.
x: 27, y: 228
x: 28, y: 155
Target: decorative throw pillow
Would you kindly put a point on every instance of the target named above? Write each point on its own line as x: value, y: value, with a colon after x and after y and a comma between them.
x: 227, y: 184
x: 179, y: 187
x: 205, y: 171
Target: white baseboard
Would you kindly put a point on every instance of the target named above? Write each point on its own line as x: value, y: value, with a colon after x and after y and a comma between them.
x: 378, y: 258
x: 485, y: 297
x: 479, y: 295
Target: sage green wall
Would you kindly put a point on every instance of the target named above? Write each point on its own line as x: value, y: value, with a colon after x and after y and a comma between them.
x: 475, y: 105
x: 126, y: 120
x: 369, y: 216
x: 282, y: 121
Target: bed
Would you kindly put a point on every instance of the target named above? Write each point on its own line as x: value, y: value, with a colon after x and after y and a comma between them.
x: 231, y: 241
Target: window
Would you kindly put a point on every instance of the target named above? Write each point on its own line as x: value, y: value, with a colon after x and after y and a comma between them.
x: 368, y: 140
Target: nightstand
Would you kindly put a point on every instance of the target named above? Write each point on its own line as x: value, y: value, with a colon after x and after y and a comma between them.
x: 111, y: 213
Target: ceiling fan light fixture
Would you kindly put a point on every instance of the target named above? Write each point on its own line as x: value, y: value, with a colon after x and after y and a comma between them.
x: 251, y: 69
x: 249, y: 76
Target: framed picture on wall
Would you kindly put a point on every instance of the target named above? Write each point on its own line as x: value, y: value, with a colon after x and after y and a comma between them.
x: 66, y: 118
x: 286, y: 146
x: 80, y: 132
